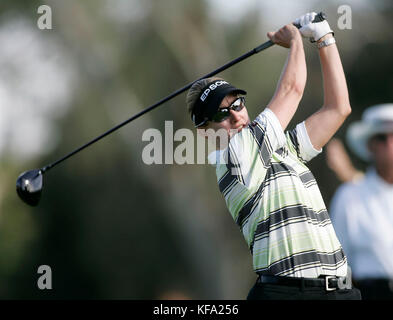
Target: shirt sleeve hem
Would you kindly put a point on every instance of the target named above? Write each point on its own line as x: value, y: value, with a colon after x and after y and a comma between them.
x: 304, y: 140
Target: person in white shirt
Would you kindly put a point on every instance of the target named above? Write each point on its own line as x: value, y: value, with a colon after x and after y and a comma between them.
x: 362, y: 209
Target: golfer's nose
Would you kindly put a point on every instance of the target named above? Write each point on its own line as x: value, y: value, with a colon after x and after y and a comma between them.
x: 235, y: 116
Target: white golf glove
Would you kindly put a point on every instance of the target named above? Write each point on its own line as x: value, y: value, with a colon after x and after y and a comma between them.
x: 313, y: 31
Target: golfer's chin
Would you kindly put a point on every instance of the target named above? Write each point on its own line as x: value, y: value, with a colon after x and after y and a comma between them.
x: 236, y: 129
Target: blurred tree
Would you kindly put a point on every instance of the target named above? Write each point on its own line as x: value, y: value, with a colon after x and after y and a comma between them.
x: 112, y: 227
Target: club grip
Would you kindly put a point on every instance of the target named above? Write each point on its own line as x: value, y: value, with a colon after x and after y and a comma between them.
x: 318, y: 18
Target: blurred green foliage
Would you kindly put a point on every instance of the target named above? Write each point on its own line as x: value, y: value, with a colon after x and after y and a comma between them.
x: 111, y: 227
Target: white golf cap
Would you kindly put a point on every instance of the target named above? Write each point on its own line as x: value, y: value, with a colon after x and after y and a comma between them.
x: 375, y: 120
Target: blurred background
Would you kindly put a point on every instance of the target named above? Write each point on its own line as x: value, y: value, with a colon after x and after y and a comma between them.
x: 108, y: 225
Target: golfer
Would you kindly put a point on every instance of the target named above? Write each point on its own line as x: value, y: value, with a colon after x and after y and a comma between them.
x: 262, y: 172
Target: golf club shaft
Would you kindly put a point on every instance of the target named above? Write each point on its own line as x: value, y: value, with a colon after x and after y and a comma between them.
x: 320, y: 17
x: 263, y: 46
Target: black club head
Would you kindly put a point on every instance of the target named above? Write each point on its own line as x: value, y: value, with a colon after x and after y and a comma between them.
x: 29, y: 186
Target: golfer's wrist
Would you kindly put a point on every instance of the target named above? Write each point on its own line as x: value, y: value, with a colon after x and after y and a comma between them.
x: 326, y: 41
x: 296, y: 40
x: 325, y: 37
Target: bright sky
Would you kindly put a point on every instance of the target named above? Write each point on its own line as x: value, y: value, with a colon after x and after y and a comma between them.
x: 36, y: 77
x: 281, y: 10
x: 34, y: 88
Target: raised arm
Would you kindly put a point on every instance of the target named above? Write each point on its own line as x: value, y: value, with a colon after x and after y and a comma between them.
x: 291, y: 85
x: 338, y: 160
x: 323, y: 124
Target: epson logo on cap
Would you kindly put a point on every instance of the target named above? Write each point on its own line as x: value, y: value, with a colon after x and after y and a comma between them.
x: 212, y: 87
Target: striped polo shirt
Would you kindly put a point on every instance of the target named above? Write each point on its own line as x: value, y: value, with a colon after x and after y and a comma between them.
x: 276, y: 202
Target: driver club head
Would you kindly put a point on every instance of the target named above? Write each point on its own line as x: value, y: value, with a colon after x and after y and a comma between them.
x: 29, y: 186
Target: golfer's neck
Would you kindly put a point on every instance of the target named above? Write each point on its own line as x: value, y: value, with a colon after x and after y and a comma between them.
x: 386, y: 173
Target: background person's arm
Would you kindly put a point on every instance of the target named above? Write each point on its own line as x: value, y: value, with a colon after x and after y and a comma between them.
x: 338, y: 160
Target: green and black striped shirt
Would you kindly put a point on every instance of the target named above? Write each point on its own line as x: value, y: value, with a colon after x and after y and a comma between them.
x: 275, y: 200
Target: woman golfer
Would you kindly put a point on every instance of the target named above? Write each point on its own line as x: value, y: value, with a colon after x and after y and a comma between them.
x: 262, y: 172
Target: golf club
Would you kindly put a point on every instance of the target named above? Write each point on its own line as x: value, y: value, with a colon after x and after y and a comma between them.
x: 30, y: 183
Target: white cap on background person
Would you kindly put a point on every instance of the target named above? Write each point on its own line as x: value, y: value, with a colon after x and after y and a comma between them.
x: 377, y: 119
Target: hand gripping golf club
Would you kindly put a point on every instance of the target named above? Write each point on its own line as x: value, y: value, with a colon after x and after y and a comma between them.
x: 30, y: 183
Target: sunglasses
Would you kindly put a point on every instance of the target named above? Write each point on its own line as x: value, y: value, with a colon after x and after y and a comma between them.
x: 224, y: 113
x: 382, y: 137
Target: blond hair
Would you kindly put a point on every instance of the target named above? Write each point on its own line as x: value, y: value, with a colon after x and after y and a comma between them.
x: 195, y: 91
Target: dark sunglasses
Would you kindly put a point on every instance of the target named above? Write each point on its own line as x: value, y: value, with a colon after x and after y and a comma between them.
x: 382, y: 137
x: 224, y: 113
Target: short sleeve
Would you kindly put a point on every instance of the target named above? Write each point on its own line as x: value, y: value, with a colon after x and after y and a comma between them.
x: 301, y: 143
